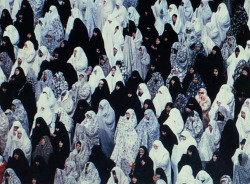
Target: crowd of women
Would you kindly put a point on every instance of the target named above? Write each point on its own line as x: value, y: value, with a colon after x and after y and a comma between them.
x: 133, y: 91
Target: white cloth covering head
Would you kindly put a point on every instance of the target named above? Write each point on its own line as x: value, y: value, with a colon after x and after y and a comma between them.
x: 175, y: 121
x: 161, y: 99
x: 133, y: 15
x: 186, y: 176
x: 122, y: 178
x: 96, y: 75
x: 204, y: 177
x: 157, y: 154
x: 146, y: 94
x: 12, y: 33
x: 113, y: 79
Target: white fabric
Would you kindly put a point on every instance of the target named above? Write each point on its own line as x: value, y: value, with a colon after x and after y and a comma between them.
x: 186, y: 176
x: 204, y: 177
x: 12, y: 33
x: 247, y: 8
x: 180, y: 149
x: 47, y: 96
x: 175, y: 121
x: 232, y: 62
x: 204, y: 13
x: 120, y: 15
x: 209, y: 142
x: 225, y: 98
x: 79, y: 61
x: 243, y: 124
x: 112, y: 80
x: 213, y: 30
x: 146, y: 94
x: 185, y: 12
x: 103, y: 11
x: 122, y: 179
x: 96, y: 75
x: 206, y: 41
x: 16, y: 8
x: 40, y: 31
x: 161, y: 99
x: 133, y: 15
x: 172, y: 9
x: 158, y: 6
x: 66, y: 102
x: 161, y: 159
x: 247, y: 51
x: 89, y: 175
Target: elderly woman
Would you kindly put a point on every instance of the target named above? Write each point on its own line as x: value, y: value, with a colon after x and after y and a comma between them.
x: 148, y: 129
x: 204, y: 101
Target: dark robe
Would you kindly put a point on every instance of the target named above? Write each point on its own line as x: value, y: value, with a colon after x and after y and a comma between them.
x: 194, y: 161
x: 192, y: 105
x: 133, y: 81
x: 6, y: 98
x: 168, y: 140
x: 64, y: 10
x: 175, y: 88
x: 41, y: 171
x: 100, y: 94
x: 186, y: 81
x: 8, y: 47
x: 5, y: 20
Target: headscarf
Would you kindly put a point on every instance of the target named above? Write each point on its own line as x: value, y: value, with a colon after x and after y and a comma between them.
x: 106, y: 127
x: 226, y: 179
x: 13, y: 179
x: 204, y: 12
x: 204, y: 177
x: 20, y: 114
x: 180, y: 102
x: 6, y: 63
x: 209, y: 141
x: 194, y: 87
x: 155, y: 83
x: 161, y: 99
x: 89, y: 174
x: 242, y: 170
x: 146, y: 95
x: 96, y: 75
x: 142, y: 62
x: 186, y: 176
x: 61, y: 85
x: 227, y: 49
x: 133, y: 15
x: 106, y: 68
x: 148, y: 130
x: 112, y: 80
x: 121, y: 177
x: 242, y: 124
x: 12, y: 33
x: 175, y: 121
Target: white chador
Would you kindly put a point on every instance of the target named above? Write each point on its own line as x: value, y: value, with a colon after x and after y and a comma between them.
x: 119, y: 13
x: 103, y: 11
x: 79, y: 60
x: 113, y: 77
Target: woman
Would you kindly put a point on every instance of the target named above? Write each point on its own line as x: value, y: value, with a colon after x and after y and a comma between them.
x: 133, y: 81
x: 204, y: 177
x: 209, y: 141
x: 95, y: 77
x: 168, y: 138
x: 44, y: 149
x: 68, y: 122
x: 242, y: 123
x: 113, y: 77
x: 240, y: 85
x: 228, y: 47
x: 143, y: 93
x: 9, y: 48
x: 19, y: 163
x: 59, y: 84
x: 104, y: 64
x: 101, y: 92
x: 97, y: 46
x: 126, y: 141
x: 104, y: 10
x: 5, y: 19
x: 41, y: 129
x: 194, y: 86
x: 78, y: 60
x: 180, y: 102
x: 216, y: 167
x: 160, y: 157
x: 106, y: 127
x: 194, y: 125
x: 79, y: 114
x: 142, y: 62
x: 10, y: 177
x: 241, y: 170
x: 192, y: 159
x: 4, y: 130
x: 204, y: 101
x: 21, y: 141
x: 155, y: 82
x: 186, y: 176
x: 117, y: 176
x: 40, y: 170
x: 175, y: 87
x: 161, y: 99
x: 188, y: 79
x: 45, y: 81
x: 79, y: 156
x: 215, y: 59
x: 88, y: 130
x: 19, y: 114
x: 148, y: 129
x: 89, y: 174
x: 6, y: 63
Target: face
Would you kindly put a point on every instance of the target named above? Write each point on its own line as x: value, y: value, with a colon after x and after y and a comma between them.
x: 16, y: 156
x: 174, y: 18
x: 102, y: 61
x: 197, y: 48
x: 78, y: 147
x: 94, y: 34
x: 113, y: 71
x: 172, y: 82
x: 163, y: 133
x: 145, y: 106
x: 17, y: 72
x: 155, y: 146
x: 195, y: 80
x: 134, y: 180
x: 129, y: 95
x: 42, y: 142
x: 75, y: 52
x: 168, y: 108
x: 100, y: 85
x: 141, y: 152
x: 189, y: 153
x: 214, y: 52
x: 117, y: 87
x: 13, y: 107
x: 243, y: 114
x: 49, y: 38
x: 191, y: 118
x: 88, y: 116
x: 214, y: 158
x: 127, y: 115
x: 147, y: 117
x: 60, y: 144
x: 141, y: 52
x: 140, y: 90
x: 244, y: 72
x: 216, y: 72
x: 152, y: 67
x: 4, y: 90
x: 191, y: 70
x: 16, y: 128
x: 202, y: 4
x: 183, y: 138
x: 237, y: 54
x: 117, y: 6
x: 33, y: 181
x: 157, y: 41
x: 19, y: 135
x: 201, y: 93
x: 210, y: 128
